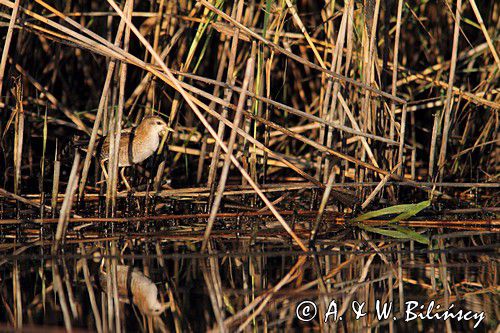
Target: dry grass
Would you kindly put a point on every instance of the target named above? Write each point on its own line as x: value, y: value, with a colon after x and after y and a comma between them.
x: 290, y: 119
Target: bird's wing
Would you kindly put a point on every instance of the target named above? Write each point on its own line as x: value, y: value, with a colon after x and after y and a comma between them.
x: 127, y: 130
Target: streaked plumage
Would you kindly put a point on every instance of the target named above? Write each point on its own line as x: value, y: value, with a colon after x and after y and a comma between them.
x: 145, y: 141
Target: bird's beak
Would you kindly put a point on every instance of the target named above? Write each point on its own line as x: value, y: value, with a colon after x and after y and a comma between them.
x: 166, y: 130
x: 164, y: 135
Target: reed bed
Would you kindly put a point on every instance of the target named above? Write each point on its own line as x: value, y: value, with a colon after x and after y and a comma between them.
x: 321, y: 150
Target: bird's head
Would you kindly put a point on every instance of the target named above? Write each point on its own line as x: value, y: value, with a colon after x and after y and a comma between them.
x: 154, y: 124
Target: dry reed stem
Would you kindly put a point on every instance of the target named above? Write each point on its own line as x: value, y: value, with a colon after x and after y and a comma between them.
x: 6, y: 194
x: 67, y: 112
x: 401, y: 164
x: 297, y: 58
x: 280, y: 106
x: 8, y: 39
x: 18, y: 135
x: 113, y: 162
x: 449, y: 102
x: 336, y: 66
x: 64, y: 213
x: 485, y: 32
x: 395, y: 67
x: 55, y: 183
x: 195, y: 109
x: 227, y: 162
x: 100, y: 110
x: 377, y: 189
x: 278, y: 141
x: 230, y: 79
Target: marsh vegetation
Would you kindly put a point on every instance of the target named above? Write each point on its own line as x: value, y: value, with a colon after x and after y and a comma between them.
x: 320, y: 150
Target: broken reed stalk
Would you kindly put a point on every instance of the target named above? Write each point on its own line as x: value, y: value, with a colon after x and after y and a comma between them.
x: 379, y: 187
x: 6, y: 194
x: 227, y: 162
x: 65, y: 211
x: 203, y: 120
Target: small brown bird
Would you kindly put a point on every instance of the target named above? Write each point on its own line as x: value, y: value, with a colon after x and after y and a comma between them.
x: 136, y: 144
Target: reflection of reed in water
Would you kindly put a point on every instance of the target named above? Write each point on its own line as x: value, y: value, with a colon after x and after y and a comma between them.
x: 255, y: 281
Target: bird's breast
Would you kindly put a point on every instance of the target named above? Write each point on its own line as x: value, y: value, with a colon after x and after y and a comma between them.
x: 144, y: 148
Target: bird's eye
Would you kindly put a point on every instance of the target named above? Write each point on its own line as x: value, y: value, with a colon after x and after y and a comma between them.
x: 158, y: 123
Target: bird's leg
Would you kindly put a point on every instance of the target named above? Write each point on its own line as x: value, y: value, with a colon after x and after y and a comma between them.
x: 122, y: 174
x: 105, y: 173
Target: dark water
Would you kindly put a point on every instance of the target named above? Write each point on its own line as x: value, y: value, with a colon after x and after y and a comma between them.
x: 253, y: 279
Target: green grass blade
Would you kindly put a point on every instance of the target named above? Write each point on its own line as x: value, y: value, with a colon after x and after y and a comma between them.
x: 266, y: 17
x: 412, y: 211
x: 398, y: 209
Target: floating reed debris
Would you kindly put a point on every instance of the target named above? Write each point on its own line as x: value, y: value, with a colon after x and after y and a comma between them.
x: 323, y: 154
